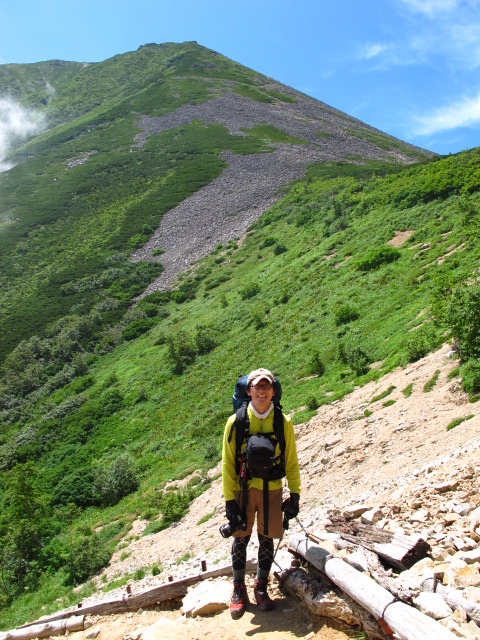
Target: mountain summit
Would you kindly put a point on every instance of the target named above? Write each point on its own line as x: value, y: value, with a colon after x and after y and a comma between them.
x: 168, y: 150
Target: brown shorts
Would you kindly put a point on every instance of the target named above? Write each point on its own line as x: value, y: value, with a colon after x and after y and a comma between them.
x: 255, y: 507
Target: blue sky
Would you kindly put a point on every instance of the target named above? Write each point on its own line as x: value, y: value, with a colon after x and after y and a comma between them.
x: 408, y: 67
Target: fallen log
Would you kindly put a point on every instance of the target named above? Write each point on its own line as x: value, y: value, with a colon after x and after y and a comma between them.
x: 393, y: 616
x: 143, y: 599
x: 396, y: 549
x: 54, y: 628
x: 453, y: 598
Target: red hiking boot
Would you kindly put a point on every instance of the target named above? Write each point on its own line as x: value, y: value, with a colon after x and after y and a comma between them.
x: 239, y: 601
x: 264, y: 602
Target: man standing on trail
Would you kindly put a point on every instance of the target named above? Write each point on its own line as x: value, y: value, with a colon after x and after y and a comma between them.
x: 252, y: 484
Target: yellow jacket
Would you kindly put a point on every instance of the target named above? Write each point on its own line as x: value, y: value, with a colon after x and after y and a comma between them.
x: 230, y: 482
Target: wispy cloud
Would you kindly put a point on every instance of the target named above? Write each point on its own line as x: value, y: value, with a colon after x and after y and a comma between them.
x: 16, y: 123
x: 371, y: 50
x: 461, y: 113
x: 431, y: 8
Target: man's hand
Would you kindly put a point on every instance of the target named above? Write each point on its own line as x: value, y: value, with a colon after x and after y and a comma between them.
x: 231, y: 510
x: 291, y: 506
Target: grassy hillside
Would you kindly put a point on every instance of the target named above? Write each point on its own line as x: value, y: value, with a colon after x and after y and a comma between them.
x: 314, y: 292
x: 103, y: 401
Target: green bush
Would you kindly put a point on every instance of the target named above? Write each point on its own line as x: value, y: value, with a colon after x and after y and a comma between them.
x: 279, y: 248
x: 315, y: 364
x: 419, y: 343
x: 470, y: 373
x: 355, y: 356
x: 116, y: 481
x: 181, y: 351
x: 462, y: 317
x: 249, y: 291
x: 137, y: 327
x: 375, y: 258
x: 86, y: 558
x: 345, y: 314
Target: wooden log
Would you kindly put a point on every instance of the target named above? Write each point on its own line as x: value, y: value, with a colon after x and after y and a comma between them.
x: 396, y: 549
x: 54, y: 628
x: 453, y: 598
x: 146, y: 598
x: 407, y: 623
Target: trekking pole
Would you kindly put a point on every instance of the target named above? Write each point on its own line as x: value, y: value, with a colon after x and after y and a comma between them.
x: 285, y: 527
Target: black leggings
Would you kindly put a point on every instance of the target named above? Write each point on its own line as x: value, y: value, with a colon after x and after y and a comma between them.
x: 239, y: 557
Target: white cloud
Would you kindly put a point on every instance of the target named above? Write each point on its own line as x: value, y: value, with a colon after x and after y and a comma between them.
x: 462, y: 113
x: 372, y: 50
x: 431, y: 8
x: 16, y: 123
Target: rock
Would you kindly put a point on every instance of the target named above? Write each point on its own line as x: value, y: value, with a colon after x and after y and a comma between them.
x: 329, y: 444
x: 357, y: 560
x: 372, y: 516
x: 468, y: 576
x: 450, y: 518
x: 412, y: 578
x: 463, y: 508
x: 433, y: 605
x: 449, y: 485
x: 93, y: 633
x: 355, y: 510
x: 471, y: 556
x: 206, y: 597
x: 419, y: 516
x: 161, y: 628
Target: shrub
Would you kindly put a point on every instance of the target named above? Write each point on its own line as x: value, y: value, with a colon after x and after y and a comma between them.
x: 137, y: 327
x: 315, y: 364
x: 249, y: 291
x: 376, y: 257
x: 204, y: 339
x: 462, y: 317
x: 355, y: 356
x: 470, y: 373
x: 174, y: 506
x: 86, y: 558
x: 181, y: 351
x: 312, y: 403
x: 279, y: 248
x: 345, y: 314
x: 116, y: 480
x: 419, y: 343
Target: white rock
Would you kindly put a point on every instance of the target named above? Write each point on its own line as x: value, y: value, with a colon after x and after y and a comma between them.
x: 357, y: 560
x: 93, y: 633
x: 433, y: 605
x: 471, y: 556
x: 372, y: 516
x: 355, y: 510
x: 207, y: 597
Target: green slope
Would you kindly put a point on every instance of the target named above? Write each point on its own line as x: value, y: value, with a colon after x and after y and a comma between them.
x: 314, y: 282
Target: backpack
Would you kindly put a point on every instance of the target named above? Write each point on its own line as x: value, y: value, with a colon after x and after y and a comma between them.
x: 259, y: 459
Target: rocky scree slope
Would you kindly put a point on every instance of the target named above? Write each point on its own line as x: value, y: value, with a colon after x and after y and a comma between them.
x: 251, y: 184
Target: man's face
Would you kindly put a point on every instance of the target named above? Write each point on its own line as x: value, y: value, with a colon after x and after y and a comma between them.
x: 261, y: 395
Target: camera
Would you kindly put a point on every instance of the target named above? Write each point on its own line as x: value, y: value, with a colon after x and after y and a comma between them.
x: 228, y: 529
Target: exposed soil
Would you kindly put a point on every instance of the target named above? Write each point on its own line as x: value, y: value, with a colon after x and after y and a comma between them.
x: 346, y: 457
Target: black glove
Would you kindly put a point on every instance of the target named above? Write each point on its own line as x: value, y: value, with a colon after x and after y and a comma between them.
x: 231, y: 510
x: 291, y: 506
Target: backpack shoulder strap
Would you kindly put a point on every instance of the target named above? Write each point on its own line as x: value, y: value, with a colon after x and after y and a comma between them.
x: 279, y: 428
x: 241, y: 425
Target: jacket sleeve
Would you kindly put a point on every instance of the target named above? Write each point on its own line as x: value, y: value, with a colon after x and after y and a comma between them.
x: 292, y: 468
x: 229, y: 476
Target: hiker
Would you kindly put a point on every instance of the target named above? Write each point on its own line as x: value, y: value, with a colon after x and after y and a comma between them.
x: 247, y: 494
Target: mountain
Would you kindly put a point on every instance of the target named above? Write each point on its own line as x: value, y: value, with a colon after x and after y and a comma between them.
x: 179, y: 220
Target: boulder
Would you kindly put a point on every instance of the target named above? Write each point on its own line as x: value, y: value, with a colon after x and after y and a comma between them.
x: 433, y: 605
x: 207, y: 597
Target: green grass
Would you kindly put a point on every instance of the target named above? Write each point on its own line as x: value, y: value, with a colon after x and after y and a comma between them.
x: 407, y: 391
x: 454, y: 423
x: 383, y: 394
x: 430, y: 384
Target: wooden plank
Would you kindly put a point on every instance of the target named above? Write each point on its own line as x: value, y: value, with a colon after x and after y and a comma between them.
x: 146, y: 598
x: 53, y: 628
x: 407, y: 623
